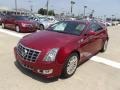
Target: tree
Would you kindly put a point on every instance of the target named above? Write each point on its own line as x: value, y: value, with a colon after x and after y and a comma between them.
x: 51, y: 13
x: 44, y: 12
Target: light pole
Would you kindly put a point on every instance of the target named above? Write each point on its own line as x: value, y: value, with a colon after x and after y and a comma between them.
x: 16, y: 6
x: 113, y: 17
x: 47, y: 4
x: 92, y: 14
x: 72, y: 3
x: 104, y: 17
x: 31, y: 6
x: 84, y: 11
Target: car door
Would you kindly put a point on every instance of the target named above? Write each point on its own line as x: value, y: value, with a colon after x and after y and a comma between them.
x: 9, y: 21
x: 85, y: 46
x: 96, y: 39
x: 12, y: 23
x: 6, y: 21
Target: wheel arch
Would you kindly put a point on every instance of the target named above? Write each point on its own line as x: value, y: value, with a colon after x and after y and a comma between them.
x: 42, y: 25
x: 77, y: 52
x: 64, y: 65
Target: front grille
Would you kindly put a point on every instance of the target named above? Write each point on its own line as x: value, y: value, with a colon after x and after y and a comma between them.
x: 27, y: 54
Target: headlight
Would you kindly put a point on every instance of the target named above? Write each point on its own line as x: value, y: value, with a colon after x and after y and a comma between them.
x: 51, y: 55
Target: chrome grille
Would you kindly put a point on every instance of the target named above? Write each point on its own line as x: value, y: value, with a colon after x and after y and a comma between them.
x: 27, y: 54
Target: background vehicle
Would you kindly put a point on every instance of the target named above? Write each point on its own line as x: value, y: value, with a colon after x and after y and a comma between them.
x: 108, y: 23
x: 1, y: 18
x: 19, y: 23
x: 44, y: 21
x: 71, y: 43
x: 115, y: 23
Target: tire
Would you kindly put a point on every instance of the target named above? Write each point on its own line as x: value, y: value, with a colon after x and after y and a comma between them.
x: 3, y: 25
x: 104, y: 47
x: 17, y: 28
x: 70, y: 66
x: 41, y: 27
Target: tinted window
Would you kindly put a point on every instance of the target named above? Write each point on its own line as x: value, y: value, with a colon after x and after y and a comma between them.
x: 99, y: 27
x: 68, y: 27
x: 21, y: 18
x: 8, y: 17
x: 95, y: 27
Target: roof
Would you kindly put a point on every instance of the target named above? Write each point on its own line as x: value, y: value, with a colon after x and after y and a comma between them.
x: 82, y: 21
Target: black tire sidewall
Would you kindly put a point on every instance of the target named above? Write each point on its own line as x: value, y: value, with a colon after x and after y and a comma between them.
x: 103, y: 49
x: 3, y: 26
x: 41, y: 27
x: 64, y: 71
x: 16, y: 28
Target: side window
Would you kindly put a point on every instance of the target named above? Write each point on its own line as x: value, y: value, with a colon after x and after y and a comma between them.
x: 99, y: 27
x: 95, y: 27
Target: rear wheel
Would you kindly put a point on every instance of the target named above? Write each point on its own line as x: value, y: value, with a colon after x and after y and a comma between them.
x: 104, y: 48
x: 70, y: 66
x: 17, y: 28
x: 3, y: 25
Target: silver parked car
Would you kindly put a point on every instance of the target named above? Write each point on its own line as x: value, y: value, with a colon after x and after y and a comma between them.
x: 44, y: 21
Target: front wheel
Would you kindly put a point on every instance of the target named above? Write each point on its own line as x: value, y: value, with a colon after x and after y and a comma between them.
x: 104, y: 48
x: 70, y: 66
x: 17, y: 29
x: 41, y: 27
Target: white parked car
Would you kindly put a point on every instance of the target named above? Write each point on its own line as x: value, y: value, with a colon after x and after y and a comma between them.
x: 108, y: 23
x: 114, y: 23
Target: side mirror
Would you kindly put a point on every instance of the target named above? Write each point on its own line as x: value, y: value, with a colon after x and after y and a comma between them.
x: 91, y: 32
x: 36, y: 19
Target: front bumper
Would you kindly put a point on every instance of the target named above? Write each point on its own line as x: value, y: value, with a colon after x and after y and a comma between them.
x: 46, y: 69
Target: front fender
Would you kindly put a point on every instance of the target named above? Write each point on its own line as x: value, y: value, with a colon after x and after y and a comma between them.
x: 65, y: 52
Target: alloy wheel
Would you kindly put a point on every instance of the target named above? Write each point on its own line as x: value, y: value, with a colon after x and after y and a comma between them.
x: 72, y: 65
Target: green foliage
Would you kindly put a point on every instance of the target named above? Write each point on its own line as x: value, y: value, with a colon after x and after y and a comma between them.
x: 44, y: 12
x: 51, y: 13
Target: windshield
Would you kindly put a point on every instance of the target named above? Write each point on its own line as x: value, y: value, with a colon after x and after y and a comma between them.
x: 68, y: 27
x: 21, y: 17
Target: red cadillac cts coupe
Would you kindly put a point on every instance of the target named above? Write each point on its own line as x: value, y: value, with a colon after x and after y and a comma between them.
x: 61, y: 48
x: 19, y: 23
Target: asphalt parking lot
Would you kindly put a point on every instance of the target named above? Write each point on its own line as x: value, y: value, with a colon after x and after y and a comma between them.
x: 92, y: 75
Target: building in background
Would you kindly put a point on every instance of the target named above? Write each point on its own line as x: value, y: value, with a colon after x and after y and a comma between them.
x: 20, y: 11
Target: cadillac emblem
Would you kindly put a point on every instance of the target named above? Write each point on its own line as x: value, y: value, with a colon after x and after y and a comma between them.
x: 24, y: 53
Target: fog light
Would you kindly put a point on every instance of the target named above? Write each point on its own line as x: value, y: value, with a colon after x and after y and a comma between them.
x: 39, y: 71
x: 45, y: 71
x: 48, y: 71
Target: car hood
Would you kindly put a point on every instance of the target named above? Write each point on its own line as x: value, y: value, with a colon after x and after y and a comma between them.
x: 43, y: 40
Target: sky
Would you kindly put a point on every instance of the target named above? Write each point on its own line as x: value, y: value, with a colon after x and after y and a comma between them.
x: 101, y: 7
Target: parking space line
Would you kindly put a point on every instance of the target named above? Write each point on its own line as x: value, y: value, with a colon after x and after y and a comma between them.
x: 106, y: 62
x: 95, y: 58
x: 11, y: 33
